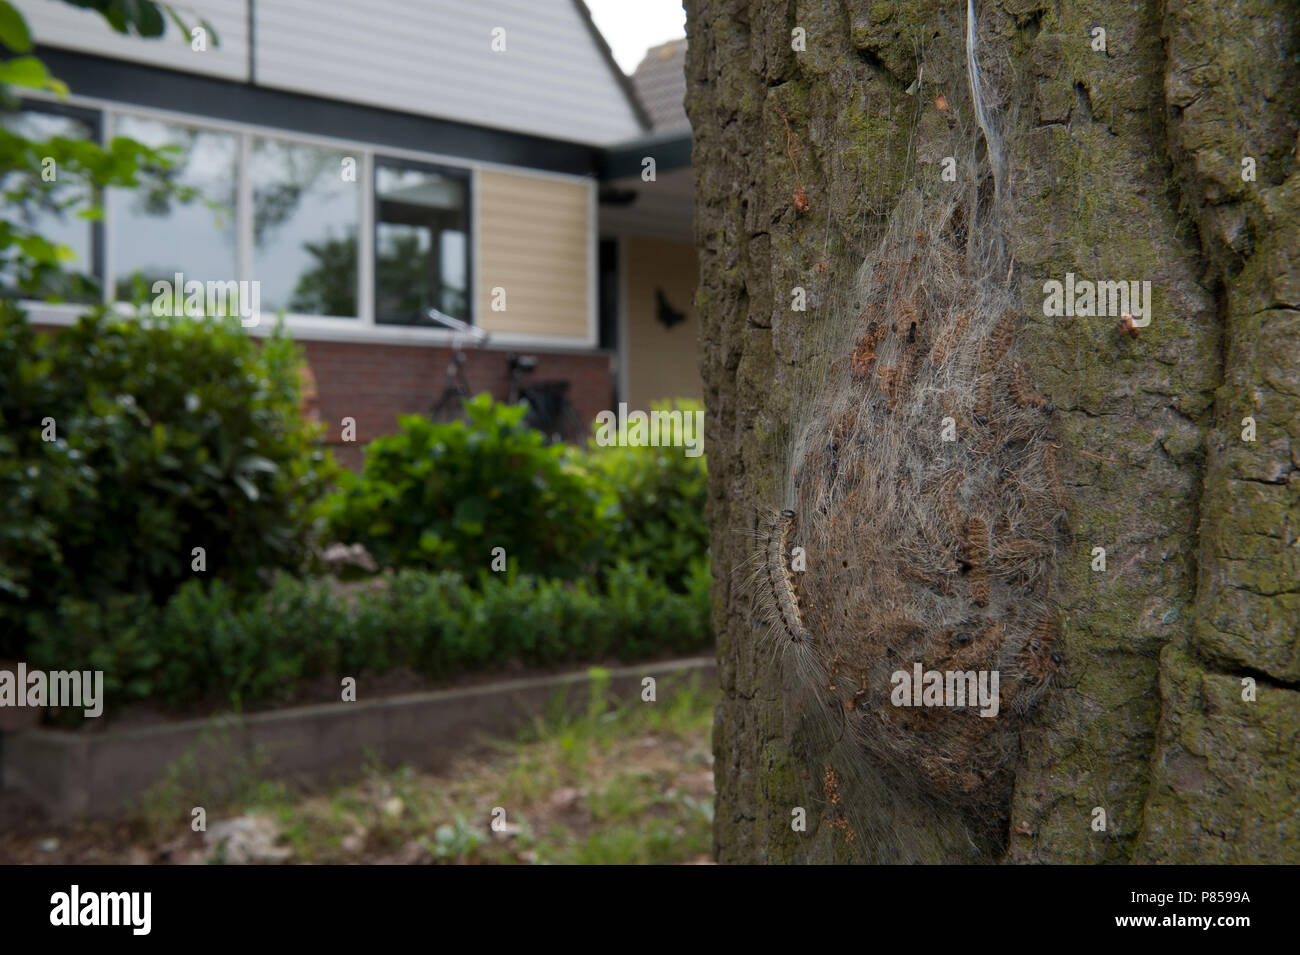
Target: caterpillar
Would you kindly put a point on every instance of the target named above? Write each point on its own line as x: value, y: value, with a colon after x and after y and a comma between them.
x: 946, y: 342
x: 1000, y: 341
x: 864, y: 353
x: 977, y: 554
x: 831, y: 790
x: 983, y: 409
x: 1054, y: 482
x: 780, y: 580
x: 1038, y: 663
x: 902, y: 377
x: 1023, y: 393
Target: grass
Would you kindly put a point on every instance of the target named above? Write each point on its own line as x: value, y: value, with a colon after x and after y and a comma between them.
x: 618, y: 783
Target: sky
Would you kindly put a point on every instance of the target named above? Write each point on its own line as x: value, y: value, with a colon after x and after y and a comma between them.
x: 630, y: 27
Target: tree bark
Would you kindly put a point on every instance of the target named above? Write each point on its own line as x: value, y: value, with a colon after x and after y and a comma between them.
x: 1125, y: 162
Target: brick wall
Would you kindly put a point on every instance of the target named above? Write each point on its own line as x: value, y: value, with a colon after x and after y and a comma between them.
x: 376, y: 383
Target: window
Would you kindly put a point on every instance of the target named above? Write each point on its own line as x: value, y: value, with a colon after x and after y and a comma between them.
x: 306, y: 221
x: 327, y: 230
x: 151, y: 238
x: 53, y: 210
x: 421, y: 243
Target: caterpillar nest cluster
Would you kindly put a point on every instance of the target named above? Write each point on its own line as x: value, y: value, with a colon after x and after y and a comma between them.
x: 912, y: 548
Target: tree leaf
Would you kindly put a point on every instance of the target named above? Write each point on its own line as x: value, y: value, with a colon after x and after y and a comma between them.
x: 13, y: 29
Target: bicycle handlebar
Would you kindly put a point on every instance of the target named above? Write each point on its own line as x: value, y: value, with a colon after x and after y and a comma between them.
x: 456, y: 325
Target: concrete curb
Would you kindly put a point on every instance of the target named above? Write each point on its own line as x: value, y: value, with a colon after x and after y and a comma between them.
x: 98, y: 774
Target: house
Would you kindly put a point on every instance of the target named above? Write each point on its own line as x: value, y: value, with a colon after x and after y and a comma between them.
x: 370, y: 161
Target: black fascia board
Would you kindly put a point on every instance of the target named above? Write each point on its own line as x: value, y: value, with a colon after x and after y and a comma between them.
x: 138, y: 84
x: 669, y: 150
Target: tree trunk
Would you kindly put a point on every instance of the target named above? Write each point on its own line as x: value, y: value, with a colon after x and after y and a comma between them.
x: 1128, y: 162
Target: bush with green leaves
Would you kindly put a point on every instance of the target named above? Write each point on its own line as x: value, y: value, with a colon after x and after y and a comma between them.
x: 211, y: 645
x: 655, y: 504
x: 126, y: 443
x: 442, y: 496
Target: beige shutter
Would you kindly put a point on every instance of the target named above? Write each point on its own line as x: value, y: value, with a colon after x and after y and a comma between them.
x: 534, y: 241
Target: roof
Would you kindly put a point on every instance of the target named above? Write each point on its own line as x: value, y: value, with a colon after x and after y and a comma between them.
x: 660, y: 82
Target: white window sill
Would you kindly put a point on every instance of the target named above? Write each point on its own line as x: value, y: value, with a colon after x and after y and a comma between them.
x: 309, y: 328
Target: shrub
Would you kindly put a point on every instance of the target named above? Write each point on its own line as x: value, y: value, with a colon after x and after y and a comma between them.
x: 655, y: 501
x: 170, y: 434
x: 442, y: 496
x: 212, y: 644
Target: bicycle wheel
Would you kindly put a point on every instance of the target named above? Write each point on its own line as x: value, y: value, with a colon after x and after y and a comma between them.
x: 449, y: 407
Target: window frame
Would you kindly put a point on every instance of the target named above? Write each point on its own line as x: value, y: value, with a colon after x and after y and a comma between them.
x: 95, y: 119
x: 466, y: 175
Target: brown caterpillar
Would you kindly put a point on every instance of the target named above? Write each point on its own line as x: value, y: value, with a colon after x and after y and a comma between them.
x: 780, y: 580
x: 1038, y: 663
x: 831, y: 790
x: 976, y: 552
x: 978, y: 650
x: 888, y: 379
x: 902, y: 377
x: 1000, y: 341
x: 983, y: 409
x: 1054, y: 482
x: 1023, y: 393
x: 1021, y: 556
x: 944, y: 343
x: 864, y: 353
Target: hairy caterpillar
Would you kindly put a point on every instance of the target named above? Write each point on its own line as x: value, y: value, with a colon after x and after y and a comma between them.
x: 983, y: 409
x: 1054, y: 482
x: 831, y: 790
x: 1038, y: 663
x: 947, y: 341
x: 780, y: 580
x: 1000, y: 341
x: 1023, y: 393
x: 976, y: 551
x: 864, y: 353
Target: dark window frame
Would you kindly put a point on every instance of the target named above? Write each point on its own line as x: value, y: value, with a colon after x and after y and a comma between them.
x: 466, y: 175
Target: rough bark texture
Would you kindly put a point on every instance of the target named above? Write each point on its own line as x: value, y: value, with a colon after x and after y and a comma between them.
x: 1124, y: 164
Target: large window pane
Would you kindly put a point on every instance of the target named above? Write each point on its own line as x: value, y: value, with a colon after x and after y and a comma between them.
x: 421, y: 246
x: 50, y: 207
x: 151, y: 238
x: 305, y: 228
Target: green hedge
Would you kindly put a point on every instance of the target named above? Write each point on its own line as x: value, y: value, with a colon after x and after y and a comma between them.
x: 209, y: 644
x: 443, y: 496
x: 655, y: 499
x: 170, y: 434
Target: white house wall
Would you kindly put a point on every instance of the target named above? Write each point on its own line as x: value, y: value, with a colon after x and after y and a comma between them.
x: 429, y: 57
x: 59, y: 24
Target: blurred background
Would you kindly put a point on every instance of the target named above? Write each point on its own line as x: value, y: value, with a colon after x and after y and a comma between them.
x: 360, y: 583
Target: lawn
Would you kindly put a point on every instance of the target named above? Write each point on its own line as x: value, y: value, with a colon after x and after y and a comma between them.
x: 620, y: 783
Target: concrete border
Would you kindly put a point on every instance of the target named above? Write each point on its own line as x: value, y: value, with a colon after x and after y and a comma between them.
x: 75, y: 773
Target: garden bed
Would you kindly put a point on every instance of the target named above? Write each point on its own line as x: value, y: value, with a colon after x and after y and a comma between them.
x: 101, y: 773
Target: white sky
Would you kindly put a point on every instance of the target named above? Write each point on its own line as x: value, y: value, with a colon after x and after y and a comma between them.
x: 631, y: 27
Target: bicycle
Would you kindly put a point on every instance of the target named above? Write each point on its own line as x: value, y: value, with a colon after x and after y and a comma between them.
x: 549, y: 410
x: 450, y: 405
